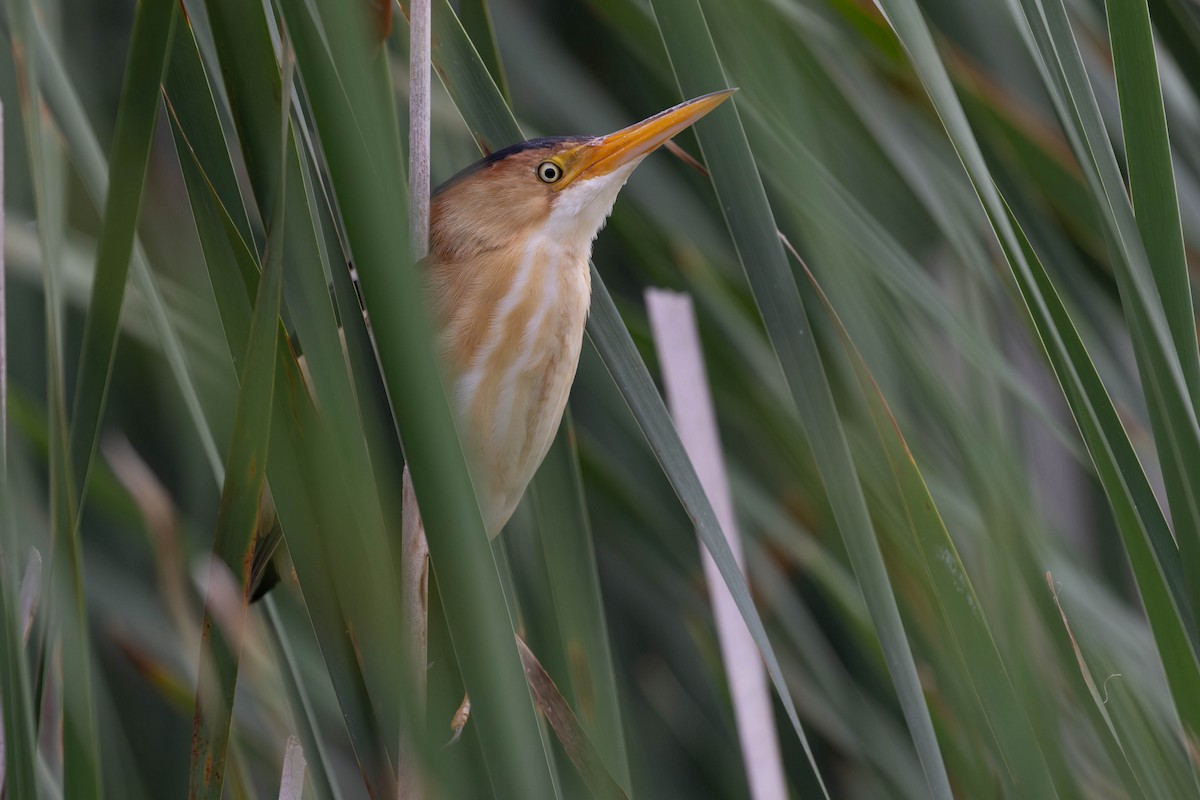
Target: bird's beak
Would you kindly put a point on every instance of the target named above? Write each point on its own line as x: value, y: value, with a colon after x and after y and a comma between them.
x: 608, y: 153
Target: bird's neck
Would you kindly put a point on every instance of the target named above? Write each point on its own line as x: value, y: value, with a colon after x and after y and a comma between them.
x: 494, y: 298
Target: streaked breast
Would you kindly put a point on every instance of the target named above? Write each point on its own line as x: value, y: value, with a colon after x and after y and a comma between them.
x: 512, y: 347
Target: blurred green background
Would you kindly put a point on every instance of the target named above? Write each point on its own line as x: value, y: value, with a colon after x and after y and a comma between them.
x: 994, y: 597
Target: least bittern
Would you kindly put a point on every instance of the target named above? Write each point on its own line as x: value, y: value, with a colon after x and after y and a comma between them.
x: 509, y: 288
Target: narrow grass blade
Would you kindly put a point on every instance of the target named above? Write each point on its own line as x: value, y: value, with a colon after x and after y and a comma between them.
x: 476, y: 16
x: 362, y: 565
x: 146, y: 65
x: 304, y: 485
x: 570, y: 557
x: 383, y: 448
x: 1172, y: 409
x: 92, y: 167
x: 192, y: 106
x: 1151, y: 177
x: 303, y: 511
x: 302, y: 707
x: 67, y: 621
x: 18, y: 747
x: 1138, y: 516
x: 213, y: 191
x: 751, y: 223
x: 571, y: 735
x: 18, y: 751
x: 1146, y: 537
x: 1112, y: 740
x: 1015, y: 738
x: 367, y: 546
x: 237, y: 519
x: 137, y: 113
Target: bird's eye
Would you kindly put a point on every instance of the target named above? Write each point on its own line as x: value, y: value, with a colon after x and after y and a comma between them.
x: 549, y: 172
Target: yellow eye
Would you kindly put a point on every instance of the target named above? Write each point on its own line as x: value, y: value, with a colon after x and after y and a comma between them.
x: 549, y: 172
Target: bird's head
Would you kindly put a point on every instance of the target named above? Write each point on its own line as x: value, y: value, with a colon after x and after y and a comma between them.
x: 562, y: 187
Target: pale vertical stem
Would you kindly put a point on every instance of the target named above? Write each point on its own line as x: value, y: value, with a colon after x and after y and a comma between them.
x: 418, y: 124
x: 3, y: 390
x: 415, y: 569
x: 3, y: 326
x: 677, y: 341
x: 291, y: 781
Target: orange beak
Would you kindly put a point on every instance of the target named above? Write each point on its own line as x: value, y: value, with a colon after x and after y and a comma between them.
x: 602, y: 156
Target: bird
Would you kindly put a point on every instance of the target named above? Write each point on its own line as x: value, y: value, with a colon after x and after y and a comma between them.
x: 508, y: 288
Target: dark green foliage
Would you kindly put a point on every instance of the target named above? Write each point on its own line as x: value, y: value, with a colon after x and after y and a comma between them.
x: 962, y: 447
